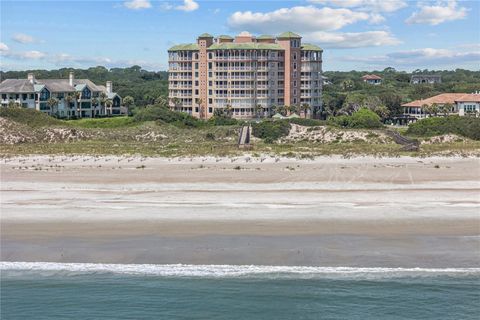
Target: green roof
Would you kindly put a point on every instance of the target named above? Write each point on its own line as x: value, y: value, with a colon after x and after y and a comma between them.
x: 265, y: 37
x: 224, y: 36
x: 205, y: 35
x: 289, y: 34
x: 185, y: 47
x: 246, y: 45
x: 311, y: 47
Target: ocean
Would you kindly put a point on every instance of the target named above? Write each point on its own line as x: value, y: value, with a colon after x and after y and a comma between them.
x: 115, y: 291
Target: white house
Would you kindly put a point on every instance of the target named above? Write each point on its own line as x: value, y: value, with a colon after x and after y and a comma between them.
x: 76, y: 97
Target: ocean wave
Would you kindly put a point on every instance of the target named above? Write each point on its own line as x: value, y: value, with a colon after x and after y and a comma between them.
x: 223, y: 271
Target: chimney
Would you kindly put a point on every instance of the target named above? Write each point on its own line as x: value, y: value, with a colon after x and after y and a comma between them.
x: 70, y: 78
x: 109, y: 86
x: 31, y: 78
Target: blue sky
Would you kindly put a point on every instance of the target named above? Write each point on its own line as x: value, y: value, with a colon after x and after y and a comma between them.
x: 355, y: 34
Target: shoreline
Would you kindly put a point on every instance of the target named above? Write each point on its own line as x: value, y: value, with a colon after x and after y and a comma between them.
x: 360, y: 212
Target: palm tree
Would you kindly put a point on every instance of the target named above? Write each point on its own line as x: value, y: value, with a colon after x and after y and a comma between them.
x: 128, y: 101
x: 272, y: 110
x: 258, y: 110
x: 76, y: 97
x: 161, y: 100
x: 68, y: 100
x: 293, y: 109
x: 176, y: 102
x: 103, y: 100
x: 446, y: 109
x: 109, y: 104
x: 53, y: 104
x: 286, y: 110
x: 94, y: 104
x: 199, y: 102
x: 13, y: 104
x: 229, y: 109
x: 435, y: 109
x: 305, y: 108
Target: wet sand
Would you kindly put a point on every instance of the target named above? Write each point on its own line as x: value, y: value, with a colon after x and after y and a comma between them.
x: 400, y: 212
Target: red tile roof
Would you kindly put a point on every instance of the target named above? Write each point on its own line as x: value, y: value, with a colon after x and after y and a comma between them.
x: 371, y: 77
x: 438, y: 99
x: 472, y: 97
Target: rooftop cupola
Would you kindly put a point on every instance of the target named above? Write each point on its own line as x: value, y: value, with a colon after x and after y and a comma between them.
x: 109, y: 87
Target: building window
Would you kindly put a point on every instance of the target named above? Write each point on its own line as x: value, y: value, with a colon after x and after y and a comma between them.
x: 210, y: 110
x: 86, y: 93
x: 196, y: 74
x: 196, y: 92
x: 209, y: 65
x: 4, y: 96
x: 32, y: 96
x: 24, y: 96
x: 44, y: 94
x: 196, y: 65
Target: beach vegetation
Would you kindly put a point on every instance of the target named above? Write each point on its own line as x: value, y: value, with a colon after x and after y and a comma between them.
x: 465, y: 126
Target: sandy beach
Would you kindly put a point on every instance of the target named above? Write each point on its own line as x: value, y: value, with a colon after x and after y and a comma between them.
x: 394, y: 212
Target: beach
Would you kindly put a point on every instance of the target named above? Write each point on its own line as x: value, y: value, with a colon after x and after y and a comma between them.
x: 329, y: 211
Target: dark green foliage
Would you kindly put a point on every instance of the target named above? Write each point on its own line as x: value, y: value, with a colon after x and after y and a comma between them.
x: 307, y: 122
x: 363, y: 118
x: 270, y: 131
x: 31, y: 117
x: 217, y: 120
x: 466, y: 126
x: 210, y: 136
x: 163, y: 114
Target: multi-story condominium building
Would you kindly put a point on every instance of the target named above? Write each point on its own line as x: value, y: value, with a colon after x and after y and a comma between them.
x: 74, y: 97
x: 246, y: 75
x: 461, y: 104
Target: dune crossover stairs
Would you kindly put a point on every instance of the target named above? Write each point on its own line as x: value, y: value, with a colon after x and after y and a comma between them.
x: 244, y: 137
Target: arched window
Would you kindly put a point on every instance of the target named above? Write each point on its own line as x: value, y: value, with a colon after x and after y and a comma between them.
x: 86, y: 93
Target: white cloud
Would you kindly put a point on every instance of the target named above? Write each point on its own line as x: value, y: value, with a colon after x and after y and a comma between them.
x: 376, y: 18
x: 351, y: 39
x: 23, y: 38
x: 24, y: 55
x: 298, y: 19
x: 425, y: 57
x: 439, y: 13
x: 137, y: 4
x: 371, y: 5
x: 188, y: 5
x: 3, y: 47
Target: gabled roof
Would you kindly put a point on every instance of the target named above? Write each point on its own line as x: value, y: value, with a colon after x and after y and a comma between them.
x: 438, y: 99
x: 245, y: 46
x: 205, y: 35
x: 288, y: 34
x: 16, y: 86
x: 185, y: 47
x: 371, y: 77
x: 310, y: 47
x: 53, y: 85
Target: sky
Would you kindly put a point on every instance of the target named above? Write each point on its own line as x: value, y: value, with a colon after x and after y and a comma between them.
x: 355, y: 34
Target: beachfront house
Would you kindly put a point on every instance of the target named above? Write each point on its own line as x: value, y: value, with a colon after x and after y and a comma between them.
x: 461, y: 104
x: 64, y: 98
x: 425, y: 79
x: 372, y: 79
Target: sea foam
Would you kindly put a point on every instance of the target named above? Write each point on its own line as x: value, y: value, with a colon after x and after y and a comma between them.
x: 223, y: 271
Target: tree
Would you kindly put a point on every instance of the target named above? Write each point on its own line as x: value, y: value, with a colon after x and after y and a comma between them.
x: 176, y: 102
x: 305, y: 108
x: 446, y: 109
x: 76, y: 98
x: 161, y: 100
x: 129, y: 101
x: 258, y: 110
x: 229, y: 110
x: 202, y: 112
x: 53, y: 104
x: 94, y: 105
x: 347, y: 85
x: 286, y: 110
x: 109, y: 105
x: 293, y: 109
x: 103, y: 100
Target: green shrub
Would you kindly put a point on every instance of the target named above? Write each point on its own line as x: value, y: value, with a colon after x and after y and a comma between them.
x: 30, y: 117
x: 466, y: 126
x: 307, y: 122
x: 363, y: 118
x: 210, y: 136
x: 270, y: 131
x: 163, y: 114
x: 222, y: 121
